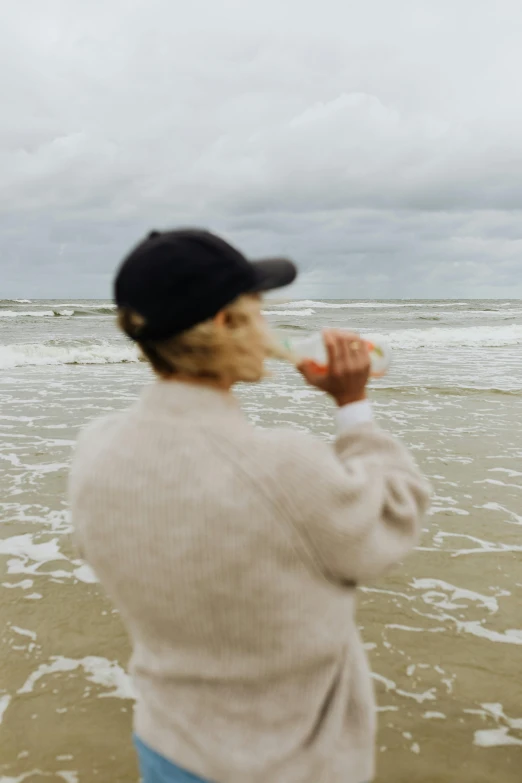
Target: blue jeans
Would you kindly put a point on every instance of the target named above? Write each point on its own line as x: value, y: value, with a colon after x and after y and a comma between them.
x: 157, y: 769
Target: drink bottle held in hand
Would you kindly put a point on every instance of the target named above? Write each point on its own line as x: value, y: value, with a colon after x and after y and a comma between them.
x: 312, y: 347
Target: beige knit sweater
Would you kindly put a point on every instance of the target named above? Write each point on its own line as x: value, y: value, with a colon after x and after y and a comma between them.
x: 232, y: 554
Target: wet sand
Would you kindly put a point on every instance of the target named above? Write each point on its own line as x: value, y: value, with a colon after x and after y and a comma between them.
x: 444, y: 631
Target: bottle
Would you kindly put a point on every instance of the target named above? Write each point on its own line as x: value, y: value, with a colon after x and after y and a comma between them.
x: 312, y: 347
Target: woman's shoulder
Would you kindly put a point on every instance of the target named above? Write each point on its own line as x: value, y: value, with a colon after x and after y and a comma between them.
x: 97, y: 433
x: 290, y: 439
x: 284, y: 449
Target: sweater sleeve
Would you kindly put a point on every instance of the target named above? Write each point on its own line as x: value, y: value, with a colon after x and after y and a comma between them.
x: 84, y: 454
x: 358, y: 505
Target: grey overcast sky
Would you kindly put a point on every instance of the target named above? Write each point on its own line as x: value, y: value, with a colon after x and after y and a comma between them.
x: 378, y: 143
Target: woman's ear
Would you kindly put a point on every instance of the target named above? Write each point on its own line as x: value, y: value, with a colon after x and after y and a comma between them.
x: 220, y: 318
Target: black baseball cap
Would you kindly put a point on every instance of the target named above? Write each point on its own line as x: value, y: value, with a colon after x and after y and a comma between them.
x: 177, y: 279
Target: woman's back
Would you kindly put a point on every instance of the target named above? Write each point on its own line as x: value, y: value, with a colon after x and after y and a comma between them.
x: 232, y: 555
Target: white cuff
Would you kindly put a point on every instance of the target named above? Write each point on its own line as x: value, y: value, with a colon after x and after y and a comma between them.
x: 350, y: 416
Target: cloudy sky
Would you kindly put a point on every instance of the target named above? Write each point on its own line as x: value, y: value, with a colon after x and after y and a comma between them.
x: 378, y: 143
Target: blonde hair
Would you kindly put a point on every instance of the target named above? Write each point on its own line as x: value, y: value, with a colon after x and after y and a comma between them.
x: 234, y: 349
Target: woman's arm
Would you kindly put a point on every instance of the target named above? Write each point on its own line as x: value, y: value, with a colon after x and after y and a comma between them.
x: 359, y: 504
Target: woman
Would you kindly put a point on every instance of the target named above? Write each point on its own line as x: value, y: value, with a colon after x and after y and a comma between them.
x: 233, y: 553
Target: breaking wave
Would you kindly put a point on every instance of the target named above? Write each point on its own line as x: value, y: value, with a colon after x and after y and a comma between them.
x: 54, y: 352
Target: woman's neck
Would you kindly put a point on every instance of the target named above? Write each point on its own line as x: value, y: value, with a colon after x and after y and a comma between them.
x: 219, y: 384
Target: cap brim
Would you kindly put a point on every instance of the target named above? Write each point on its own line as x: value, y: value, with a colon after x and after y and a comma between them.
x: 272, y: 273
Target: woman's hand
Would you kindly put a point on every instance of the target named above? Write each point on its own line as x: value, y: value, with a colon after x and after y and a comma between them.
x: 346, y: 375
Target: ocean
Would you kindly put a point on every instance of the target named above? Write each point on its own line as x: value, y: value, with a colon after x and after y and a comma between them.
x: 443, y: 631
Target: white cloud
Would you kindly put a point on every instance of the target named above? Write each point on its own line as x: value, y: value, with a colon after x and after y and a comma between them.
x: 378, y: 143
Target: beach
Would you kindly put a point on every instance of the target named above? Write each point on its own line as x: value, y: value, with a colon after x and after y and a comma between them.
x: 443, y: 631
